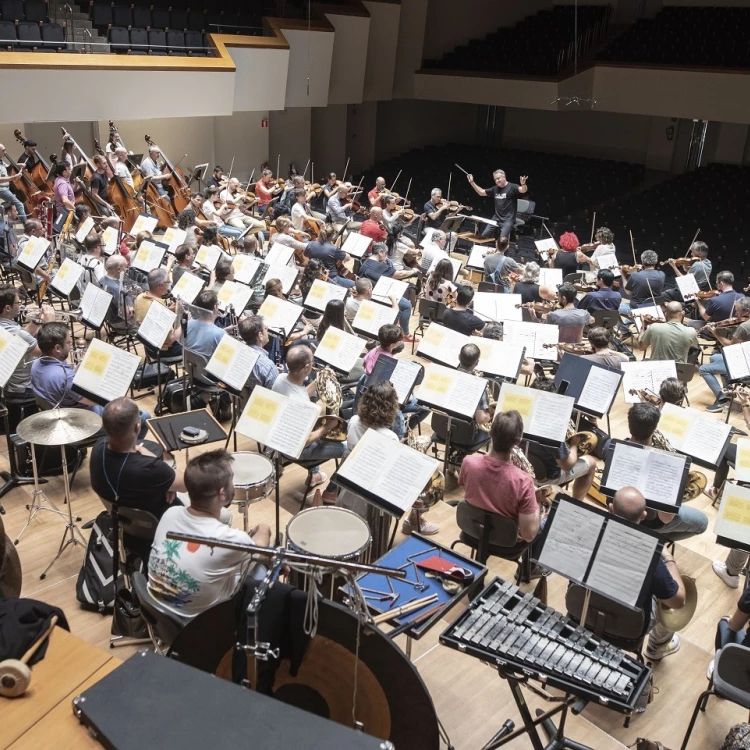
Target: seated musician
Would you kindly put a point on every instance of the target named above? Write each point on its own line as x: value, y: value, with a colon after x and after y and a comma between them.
x: 299, y: 363
x: 33, y: 228
x: 460, y: 317
x: 92, y: 261
x: 6, y: 194
x: 604, y: 244
x: 223, y: 271
x: 434, y: 252
x: 643, y: 420
x: 115, y: 266
x: 362, y: 291
x: 439, y: 286
x: 568, y: 258
x: 374, y: 227
x: 254, y: 332
x: 187, y: 220
x: 203, y: 335
x: 329, y: 255
x: 670, y: 339
x: 436, y: 210
x: 218, y: 212
x: 604, y: 298
x: 494, y: 482
x: 569, y: 319
x: 121, y: 168
x: 185, y: 257
x: 266, y: 189
x: 600, y: 338
x: 643, y: 285
x: 287, y: 200
x: 149, y: 167
x: 340, y: 209
x: 189, y: 581
x: 158, y: 288
x: 52, y: 376
x: 528, y: 285
x: 328, y: 189
x: 719, y: 308
x: 286, y: 235
x: 374, y: 195
x: 299, y: 212
x: 393, y: 216
x: 563, y: 464
x: 700, y: 268
x: 240, y: 216
x: 498, y: 266
x: 667, y: 587
x: 217, y: 177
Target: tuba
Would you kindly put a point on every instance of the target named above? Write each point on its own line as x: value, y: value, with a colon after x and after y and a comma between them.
x: 586, y: 444
x: 697, y: 480
x: 329, y: 393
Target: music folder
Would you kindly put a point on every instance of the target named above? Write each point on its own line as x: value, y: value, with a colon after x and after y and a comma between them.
x: 451, y: 392
x: 84, y: 229
x: 600, y: 551
x: 388, y: 287
x: 385, y: 472
x: 546, y: 247
x: 660, y: 476
x: 476, y: 258
x: 144, y: 223
x: 232, y: 363
x: 356, y: 245
x: 105, y: 373
x: 732, y: 525
x: 498, y: 307
x: 32, y: 253
x: 157, y: 323
x: 287, y: 275
x: 593, y: 386
x: 279, y: 255
x: 340, y: 350
x: 442, y: 345
x: 109, y: 240
x: 188, y: 287
x: 321, y: 293
x: 279, y: 422
x: 208, y: 256
x: 550, y: 277
x: 95, y: 304
x: 737, y: 361
x: 173, y: 238
x: 742, y: 462
x: 246, y: 268
x: 539, y: 340
x: 701, y: 436
x: 403, y: 373
x: 66, y: 277
x: 371, y: 316
x: 235, y: 295
x: 149, y: 256
x: 688, y: 286
x: 545, y: 416
x: 280, y: 315
x: 12, y: 350
x: 645, y: 375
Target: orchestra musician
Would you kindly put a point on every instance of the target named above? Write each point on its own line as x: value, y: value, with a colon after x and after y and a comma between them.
x: 240, y: 216
x: 254, y: 332
x: 604, y: 298
x: 505, y: 197
x: 468, y: 359
x: 720, y: 307
x: 528, y: 285
x: 158, y: 288
x: 64, y: 197
x: 374, y: 226
x: 604, y: 244
x: 700, y: 268
x: 301, y: 212
x: 340, y: 209
x: 362, y: 291
x: 374, y: 195
x: 100, y: 185
x: 115, y: 266
x: 149, y: 167
x: 498, y: 266
x: 669, y: 339
x: 434, y: 252
x: 6, y: 195
x: 29, y: 158
x: 120, y: 166
x: 643, y: 285
x: 33, y: 228
x: 217, y: 178
x: 330, y: 256
x: 184, y: 257
x: 568, y: 257
x: 218, y: 212
x: 437, y: 210
x: 600, y: 338
x: 569, y: 319
x: 460, y: 318
x: 285, y: 235
x: 92, y: 260
x: 266, y: 189
x: 439, y: 286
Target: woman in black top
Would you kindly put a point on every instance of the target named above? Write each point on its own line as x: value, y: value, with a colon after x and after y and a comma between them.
x: 528, y: 285
x: 566, y: 257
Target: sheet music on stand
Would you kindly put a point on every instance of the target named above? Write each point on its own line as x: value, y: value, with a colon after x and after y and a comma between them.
x: 235, y: 294
x: 550, y: 277
x: 593, y: 386
x: 321, y: 293
x: 442, y: 345
x: 208, y: 256
x: 545, y: 248
x: 645, y: 375
x: 403, y: 373
x: 546, y: 416
x: 455, y: 263
x: 660, y: 476
x: 12, y: 350
x: 732, y: 525
x: 279, y: 422
x: 149, y: 256
x: 95, y: 304
x: 173, y: 238
x: 688, y: 286
x: 32, y: 253
x: 188, y: 287
x: 156, y: 325
x: 498, y: 359
x: 737, y: 361
x: 387, y: 287
x: 246, y: 268
x: 385, y: 472
x: 84, y: 230
x: 476, y: 258
x: 67, y: 277
x: 144, y: 223
x: 703, y: 437
x: 279, y: 255
x: 280, y: 315
x: 287, y: 275
x: 454, y: 393
x: 500, y: 307
x: 109, y: 240
x: 609, y: 261
x: 533, y: 336
x: 600, y: 551
x: 640, y: 312
x: 371, y: 316
x: 340, y: 350
x: 427, y: 239
x: 356, y: 245
x: 232, y: 363
x: 742, y: 462
x: 105, y: 373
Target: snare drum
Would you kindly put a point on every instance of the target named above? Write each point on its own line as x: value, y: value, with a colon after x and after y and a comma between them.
x: 254, y: 476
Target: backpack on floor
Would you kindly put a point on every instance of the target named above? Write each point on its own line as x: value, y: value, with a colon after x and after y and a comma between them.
x: 94, y: 587
x: 738, y: 738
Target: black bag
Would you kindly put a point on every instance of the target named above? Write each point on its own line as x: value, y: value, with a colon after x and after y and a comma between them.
x: 94, y: 588
x: 173, y: 398
x: 127, y: 620
x: 147, y: 376
x: 48, y: 458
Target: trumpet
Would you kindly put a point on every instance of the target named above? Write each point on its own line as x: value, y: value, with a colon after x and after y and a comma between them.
x: 31, y: 314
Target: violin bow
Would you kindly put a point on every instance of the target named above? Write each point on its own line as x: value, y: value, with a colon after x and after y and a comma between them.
x: 593, y: 224
x: 390, y: 190
x: 408, y: 188
x: 346, y: 167
x: 450, y: 175
x: 306, y: 166
x: 632, y: 247
x: 250, y: 181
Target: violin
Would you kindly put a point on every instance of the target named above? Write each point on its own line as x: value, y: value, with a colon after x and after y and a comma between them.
x: 545, y: 306
x: 454, y: 206
x: 584, y: 287
x: 646, y: 396
x: 680, y: 262
x: 630, y: 269
x: 647, y: 320
x: 583, y: 348
x: 708, y: 294
x: 728, y: 323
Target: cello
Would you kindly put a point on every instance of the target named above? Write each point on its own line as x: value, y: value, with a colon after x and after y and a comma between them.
x: 122, y: 197
x: 176, y: 185
x: 26, y: 189
x: 40, y: 171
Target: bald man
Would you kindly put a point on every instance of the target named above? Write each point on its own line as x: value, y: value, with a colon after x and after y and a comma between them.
x: 374, y: 195
x: 670, y: 339
x: 667, y: 587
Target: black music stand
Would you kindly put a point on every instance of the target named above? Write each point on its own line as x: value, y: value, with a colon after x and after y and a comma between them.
x: 167, y: 429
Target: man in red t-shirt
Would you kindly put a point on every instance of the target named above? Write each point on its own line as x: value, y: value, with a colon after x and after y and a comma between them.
x: 493, y: 483
x: 374, y: 195
x: 374, y: 227
x: 266, y: 190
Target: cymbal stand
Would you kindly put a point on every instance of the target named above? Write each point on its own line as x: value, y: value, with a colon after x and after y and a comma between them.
x: 12, y: 478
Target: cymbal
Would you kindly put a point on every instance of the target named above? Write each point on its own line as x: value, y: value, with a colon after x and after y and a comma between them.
x: 59, y: 426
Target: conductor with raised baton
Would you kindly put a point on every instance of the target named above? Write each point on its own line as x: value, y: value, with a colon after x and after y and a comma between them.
x: 505, y: 195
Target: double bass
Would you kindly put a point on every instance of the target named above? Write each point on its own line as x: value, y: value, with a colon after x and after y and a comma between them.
x: 26, y: 189
x: 175, y: 185
x: 122, y: 197
x: 40, y: 171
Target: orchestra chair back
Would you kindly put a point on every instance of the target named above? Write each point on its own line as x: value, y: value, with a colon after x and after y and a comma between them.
x: 524, y: 208
x: 197, y: 379
x: 575, y: 277
x: 462, y: 433
x: 685, y: 373
x: 490, y: 534
x: 608, y: 319
x: 730, y: 680
x: 163, y: 624
x: 429, y: 311
x: 488, y: 286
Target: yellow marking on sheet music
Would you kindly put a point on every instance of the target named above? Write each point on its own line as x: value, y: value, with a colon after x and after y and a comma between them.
x: 226, y: 293
x: 318, y: 291
x: 63, y: 271
x: 737, y: 510
x: 433, y: 336
x: 202, y: 256
x: 3, y: 343
x: 485, y: 348
x: 96, y: 361
x: 743, y: 454
x: 521, y: 403
x: 366, y: 312
x: 674, y: 424
x: 223, y: 352
x: 262, y: 409
x: 438, y: 383
x: 269, y: 307
x: 179, y: 287
x: 168, y: 236
x: 332, y: 339
x: 143, y: 255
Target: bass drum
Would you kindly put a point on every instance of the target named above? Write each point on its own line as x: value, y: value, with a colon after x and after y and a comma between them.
x: 392, y: 701
x: 10, y: 566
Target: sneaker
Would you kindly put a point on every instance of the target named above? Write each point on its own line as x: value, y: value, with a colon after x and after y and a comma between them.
x: 710, y: 670
x: 711, y: 493
x: 740, y: 433
x: 320, y: 478
x: 666, y: 649
x: 425, y: 527
x: 716, y: 406
x: 720, y: 569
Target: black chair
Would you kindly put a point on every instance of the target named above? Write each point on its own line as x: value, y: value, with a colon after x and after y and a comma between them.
x: 101, y: 15
x: 159, y: 18
x: 12, y: 10
x: 176, y: 43
x: 139, y: 41
x: 122, y: 15
x: 163, y: 624
x: 141, y: 17
x: 119, y: 40
x: 685, y: 373
x: 157, y: 42
x: 196, y: 20
x: 178, y: 19
x: 36, y: 11
x: 462, y: 439
x: 54, y: 36
x: 429, y: 311
x: 198, y: 381
x: 8, y: 38
x: 194, y: 43
x: 608, y: 319
x: 29, y: 36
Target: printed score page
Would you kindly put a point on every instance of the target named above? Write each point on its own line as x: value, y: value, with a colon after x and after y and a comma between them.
x: 149, y: 256
x: 245, y: 267
x: 742, y: 463
x: 287, y: 275
x: 188, y: 287
x: 279, y: 255
x: 546, y: 247
x: 387, y: 288
x: 235, y: 294
x: 144, y: 223
x: 280, y: 315
x: 232, y: 362
x: 157, y: 324
x: 476, y: 257
x: 640, y: 312
x: 371, y: 316
x: 550, y: 277
x: 12, y: 350
x: 648, y: 375
x: 498, y: 307
x: 571, y: 539
x: 340, y: 349
x: 95, y: 303
x: 451, y: 391
x: 693, y: 432
x: 737, y: 360
x: 733, y: 517
x: 106, y: 371
x: 442, y: 344
x: 688, y: 286
x: 500, y: 359
x: 84, y: 229
x: 599, y: 390
x: 321, y: 293
x: 356, y: 245
x: 455, y: 263
x: 388, y: 469
x: 173, y: 238
x: 403, y: 377
x: 67, y: 277
x: 279, y: 422
x: 545, y: 415
x: 533, y: 336
x: 609, y: 261
x: 109, y: 240
x: 32, y: 252
x: 208, y: 256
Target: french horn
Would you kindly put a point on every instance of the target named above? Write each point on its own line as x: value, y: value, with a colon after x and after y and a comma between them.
x: 588, y: 440
x: 329, y: 393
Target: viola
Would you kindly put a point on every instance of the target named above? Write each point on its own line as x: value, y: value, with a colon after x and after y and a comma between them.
x: 646, y: 396
x: 630, y: 269
x: 582, y: 348
x: 680, y: 262
x: 540, y: 307
x: 728, y: 323
x: 708, y: 294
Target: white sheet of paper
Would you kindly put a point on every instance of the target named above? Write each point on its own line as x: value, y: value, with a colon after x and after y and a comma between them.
x: 356, y: 245
x: 157, y: 324
x: 109, y: 240
x: 12, y: 350
x: 144, y: 223
x: 232, y: 362
x: 388, y: 469
x: 642, y: 375
x: 371, y: 316
x: 533, y: 336
x: 476, y: 257
x: 742, y: 464
x: 571, y: 540
x: 67, y: 277
x: 321, y: 293
x: 609, y: 260
x: 455, y: 263
x: 340, y: 349
x: 95, y: 303
x: 207, y: 256
x: 85, y: 229
x: 106, y: 371
x: 688, y: 286
x: 173, y: 238
x: 733, y: 517
x: 149, y: 256
x: 499, y: 358
x: 451, y: 390
x: 387, y: 287
x: 599, y: 390
x: 188, y: 287
x: 491, y: 306
x: 442, y: 344
x: 550, y: 277
x: 737, y: 359
x: 545, y: 247
x: 639, y: 313
x: 235, y: 294
x: 287, y: 275
x: 622, y: 562
x: 551, y: 416
x: 693, y: 432
x: 279, y: 255
x: 403, y: 377
x: 245, y: 267
x: 280, y: 315
x: 32, y: 252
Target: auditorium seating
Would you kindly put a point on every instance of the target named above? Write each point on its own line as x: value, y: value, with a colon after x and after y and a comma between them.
x: 537, y: 46
x: 690, y: 36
